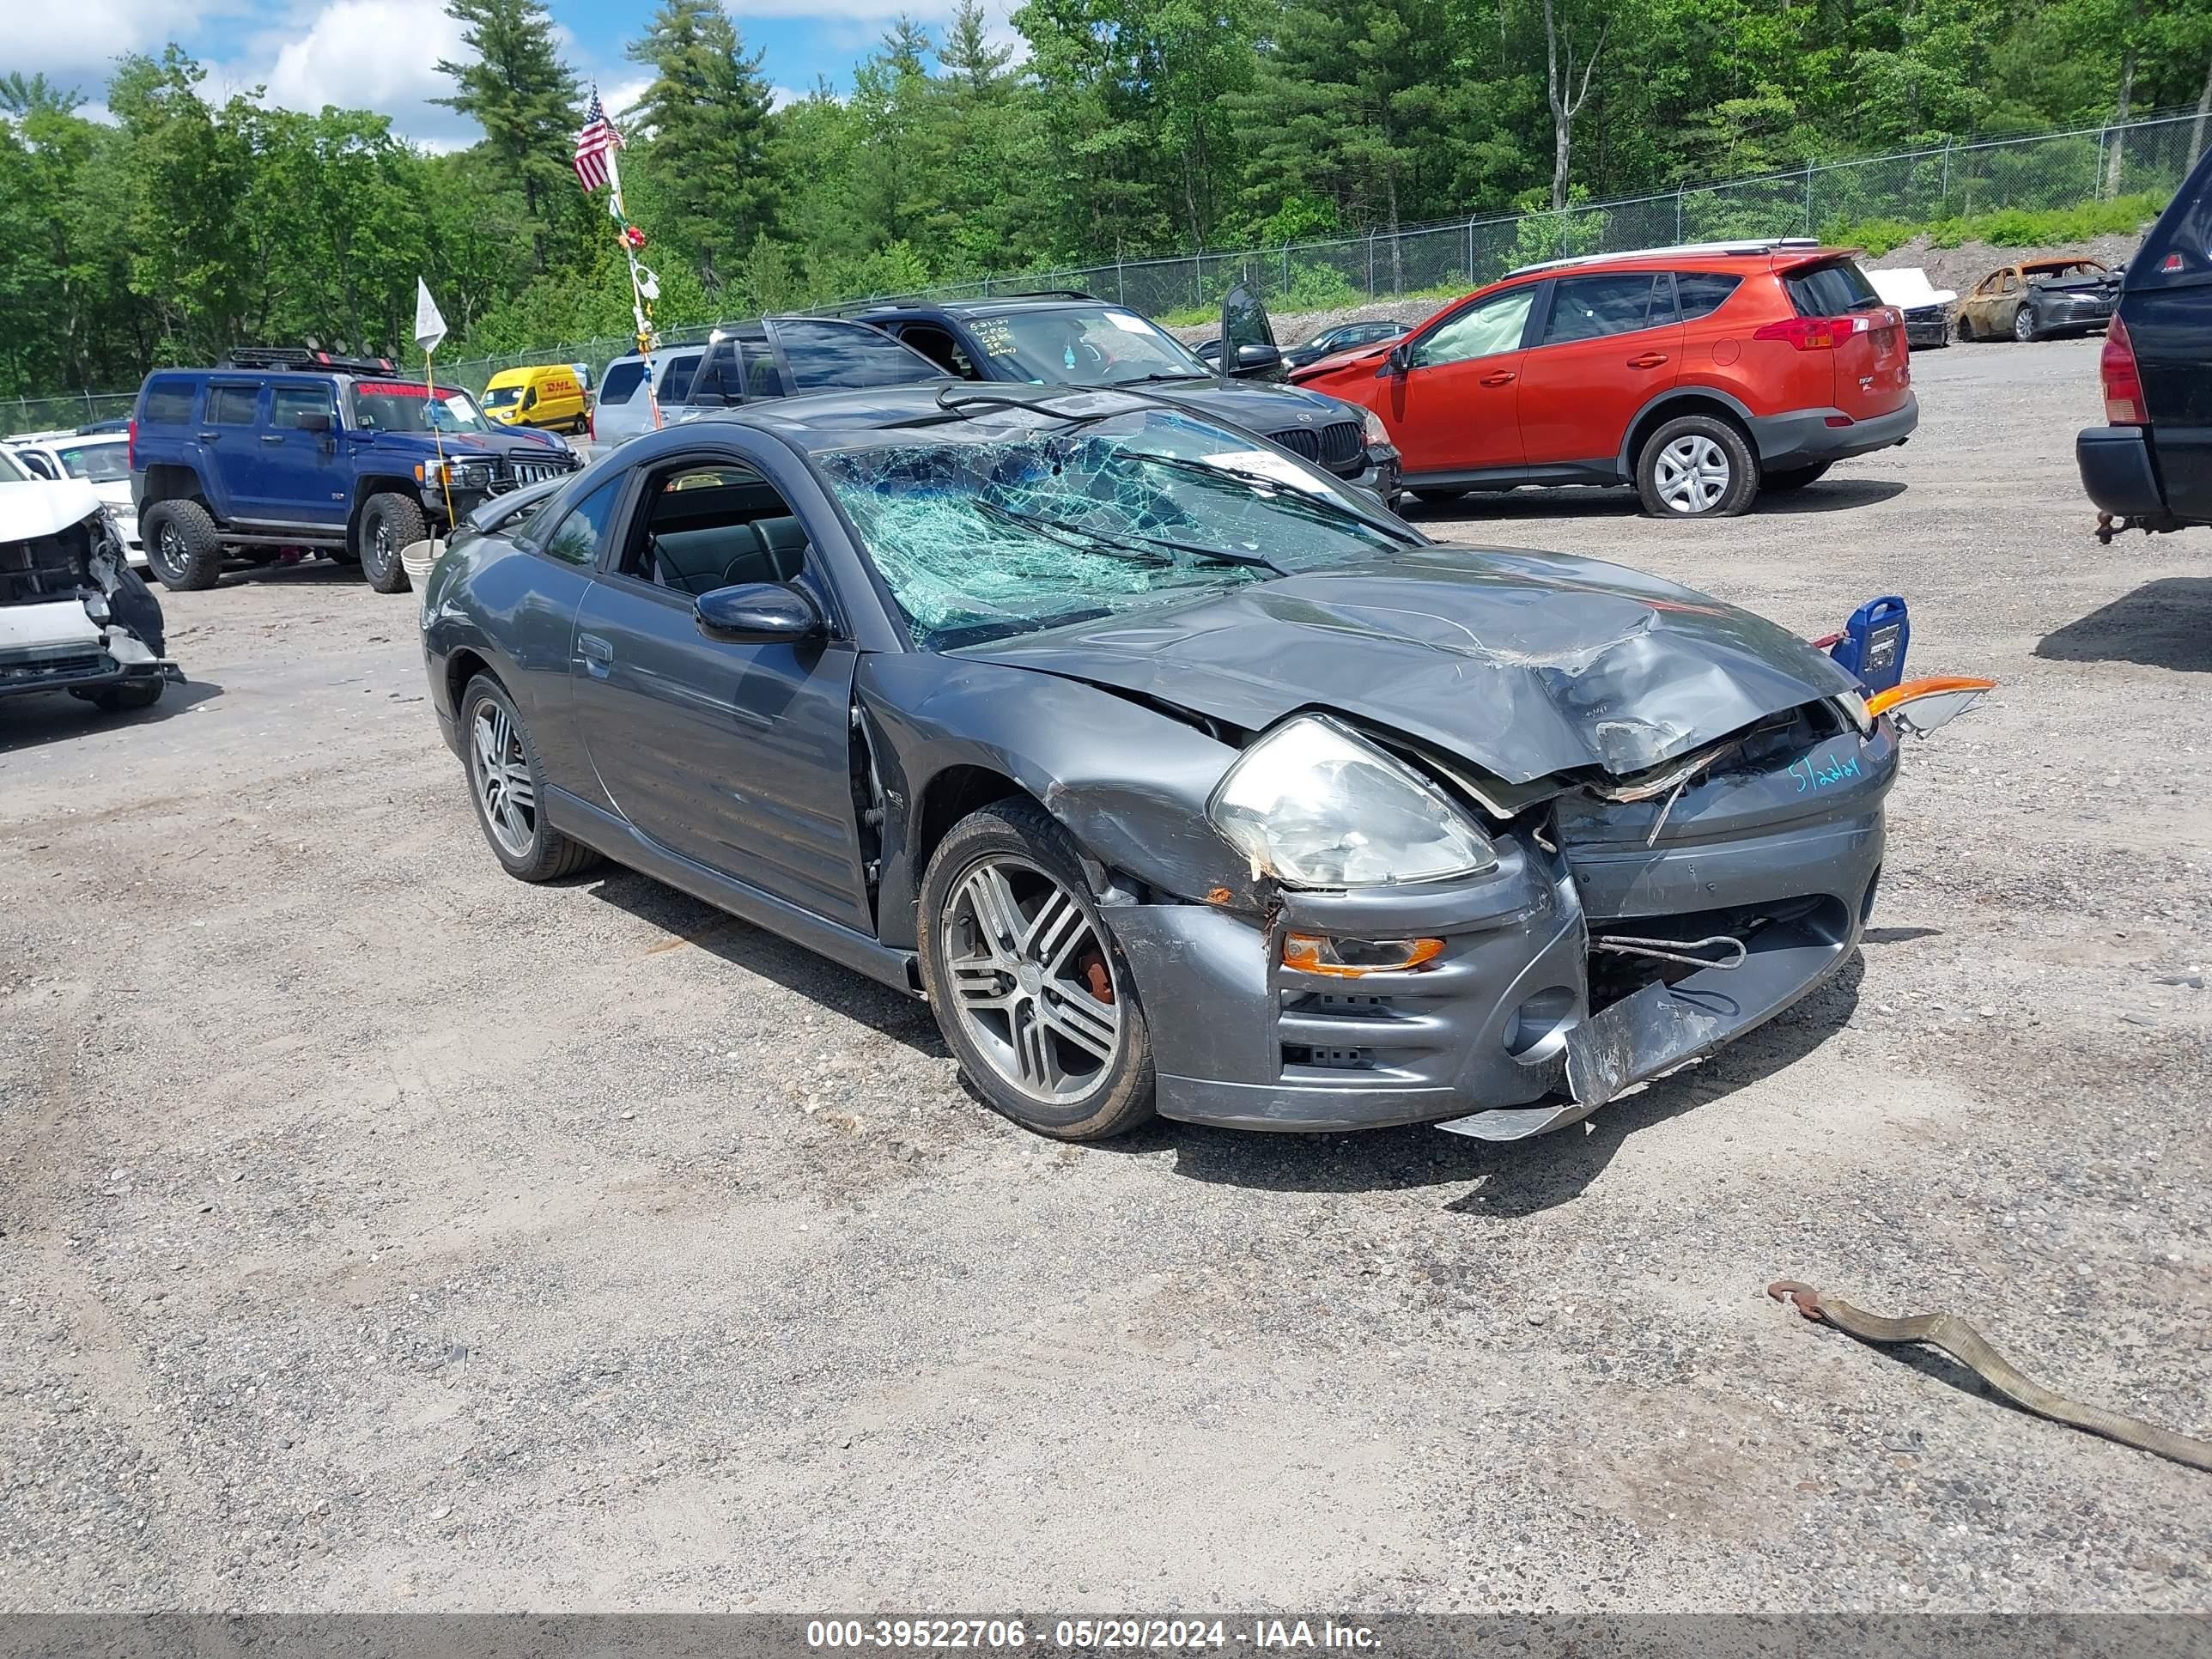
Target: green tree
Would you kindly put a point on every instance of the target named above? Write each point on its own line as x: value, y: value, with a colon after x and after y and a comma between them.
x: 704, y: 119
x: 518, y: 89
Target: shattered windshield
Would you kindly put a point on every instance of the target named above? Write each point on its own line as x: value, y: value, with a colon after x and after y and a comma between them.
x: 1083, y: 345
x: 980, y: 531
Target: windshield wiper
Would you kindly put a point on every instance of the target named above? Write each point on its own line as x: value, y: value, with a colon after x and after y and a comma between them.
x: 1296, y: 493
x: 1214, y: 555
x: 1147, y: 379
x: 1069, y: 535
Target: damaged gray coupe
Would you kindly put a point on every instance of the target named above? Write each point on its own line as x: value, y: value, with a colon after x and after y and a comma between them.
x: 1177, y: 776
x: 73, y: 616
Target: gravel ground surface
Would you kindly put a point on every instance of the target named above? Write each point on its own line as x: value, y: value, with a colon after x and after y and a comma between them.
x: 378, y: 1232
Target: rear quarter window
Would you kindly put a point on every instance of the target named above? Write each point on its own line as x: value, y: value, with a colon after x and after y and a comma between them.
x: 168, y: 401
x: 622, y: 380
x: 675, y: 379
x: 1830, y: 290
x: 1703, y: 292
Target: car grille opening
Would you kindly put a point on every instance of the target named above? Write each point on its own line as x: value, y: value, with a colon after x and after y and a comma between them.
x: 1328, y: 1060
x: 1337, y: 446
x: 530, y: 472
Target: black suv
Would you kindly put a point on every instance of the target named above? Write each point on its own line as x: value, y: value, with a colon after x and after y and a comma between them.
x: 1075, y: 340
x: 2150, y: 468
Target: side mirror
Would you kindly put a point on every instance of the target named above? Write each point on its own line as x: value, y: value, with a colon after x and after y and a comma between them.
x: 1399, y: 359
x: 530, y: 399
x: 1253, y: 359
x: 312, y: 421
x: 759, y: 613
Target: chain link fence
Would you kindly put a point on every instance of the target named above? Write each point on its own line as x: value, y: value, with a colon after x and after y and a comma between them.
x: 2027, y: 174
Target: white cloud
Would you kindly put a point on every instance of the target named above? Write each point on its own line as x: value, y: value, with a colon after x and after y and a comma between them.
x: 78, y: 44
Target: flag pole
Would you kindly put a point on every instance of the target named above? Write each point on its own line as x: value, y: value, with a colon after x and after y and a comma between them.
x: 437, y: 439
x: 644, y: 288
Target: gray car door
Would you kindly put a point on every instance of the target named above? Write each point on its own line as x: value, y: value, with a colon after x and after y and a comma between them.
x: 735, y: 756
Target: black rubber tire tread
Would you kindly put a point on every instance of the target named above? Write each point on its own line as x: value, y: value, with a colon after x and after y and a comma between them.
x: 1743, y: 467
x: 201, y: 564
x: 410, y: 525
x: 1126, y: 1100
x: 554, y: 856
x: 1796, y: 477
x: 138, y: 694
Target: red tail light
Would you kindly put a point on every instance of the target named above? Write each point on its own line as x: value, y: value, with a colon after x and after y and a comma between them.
x: 131, y: 447
x: 2116, y: 366
x: 1814, y: 334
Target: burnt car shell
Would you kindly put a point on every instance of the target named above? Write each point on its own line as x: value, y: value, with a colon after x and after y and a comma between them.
x: 73, y: 616
x: 1648, y: 764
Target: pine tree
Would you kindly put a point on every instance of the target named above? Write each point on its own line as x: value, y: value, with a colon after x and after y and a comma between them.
x: 523, y: 96
x: 705, y: 123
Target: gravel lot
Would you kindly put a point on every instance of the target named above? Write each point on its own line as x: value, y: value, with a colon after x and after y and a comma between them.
x: 378, y: 1232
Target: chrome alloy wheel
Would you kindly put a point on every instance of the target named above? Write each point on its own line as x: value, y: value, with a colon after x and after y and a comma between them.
x: 1029, y: 981
x: 500, y: 773
x: 1693, y: 474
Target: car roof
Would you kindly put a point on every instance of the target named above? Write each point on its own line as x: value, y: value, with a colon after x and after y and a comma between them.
x: 1718, y: 256
x: 1011, y: 305
x: 827, y: 420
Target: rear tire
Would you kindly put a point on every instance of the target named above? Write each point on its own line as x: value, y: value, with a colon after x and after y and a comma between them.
x: 1697, y: 467
x: 1796, y: 477
x: 389, y: 522
x: 1966, y: 331
x: 2025, y: 327
x: 506, y: 782
x: 183, y: 548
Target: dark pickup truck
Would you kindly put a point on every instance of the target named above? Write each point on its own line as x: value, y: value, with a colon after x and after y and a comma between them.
x: 2149, y: 467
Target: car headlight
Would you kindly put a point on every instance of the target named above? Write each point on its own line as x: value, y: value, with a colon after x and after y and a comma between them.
x: 1315, y: 805
x: 1377, y: 434
x: 1854, y: 709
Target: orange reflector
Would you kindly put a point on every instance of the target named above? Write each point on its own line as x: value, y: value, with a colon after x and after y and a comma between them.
x: 1882, y: 702
x: 1348, y: 958
x: 1919, y: 706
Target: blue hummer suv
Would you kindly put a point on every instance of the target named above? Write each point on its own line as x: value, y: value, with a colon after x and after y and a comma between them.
x: 279, y: 448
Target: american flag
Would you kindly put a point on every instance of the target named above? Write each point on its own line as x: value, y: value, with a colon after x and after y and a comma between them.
x: 594, y: 142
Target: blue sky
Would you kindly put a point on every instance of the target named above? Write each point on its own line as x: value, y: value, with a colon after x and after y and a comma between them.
x: 382, y: 53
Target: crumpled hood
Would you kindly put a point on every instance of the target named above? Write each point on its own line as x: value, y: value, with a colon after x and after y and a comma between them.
x: 527, y: 442
x: 43, y: 506
x: 1261, y: 406
x: 1523, y: 664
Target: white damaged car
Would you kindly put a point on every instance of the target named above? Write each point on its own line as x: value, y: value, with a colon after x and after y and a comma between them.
x: 73, y: 616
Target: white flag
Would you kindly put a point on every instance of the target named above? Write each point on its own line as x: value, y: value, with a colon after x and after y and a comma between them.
x: 429, y: 326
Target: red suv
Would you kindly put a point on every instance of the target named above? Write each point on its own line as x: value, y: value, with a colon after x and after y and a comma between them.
x: 1698, y: 374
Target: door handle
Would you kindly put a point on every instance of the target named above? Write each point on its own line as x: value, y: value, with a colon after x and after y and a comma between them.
x: 1503, y: 377
x: 272, y: 437
x: 1649, y: 359
x: 598, y: 654
x: 209, y: 437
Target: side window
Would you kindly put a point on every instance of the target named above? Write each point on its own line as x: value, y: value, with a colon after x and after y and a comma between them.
x: 709, y: 525
x: 1591, y: 307
x: 825, y: 354
x: 622, y: 379
x: 1703, y: 292
x: 168, y: 402
x: 2009, y: 282
x: 1482, y: 330
x: 576, y: 539
x: 675, y: 379
x: 938, y: 345
x: 232, y: 405
x: 763, y: 378
x: 287, y: 403
x: 717, y: 384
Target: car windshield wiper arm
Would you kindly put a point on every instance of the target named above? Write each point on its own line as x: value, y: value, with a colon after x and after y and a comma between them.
x: 1214, y: 555
x: 1069, y: 535
x: 1179, y: 375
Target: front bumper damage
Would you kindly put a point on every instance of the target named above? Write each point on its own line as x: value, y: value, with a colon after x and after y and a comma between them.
x: 1523, y: 1023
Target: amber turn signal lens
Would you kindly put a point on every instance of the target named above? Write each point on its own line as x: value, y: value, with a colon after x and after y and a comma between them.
x: 1348, y: 958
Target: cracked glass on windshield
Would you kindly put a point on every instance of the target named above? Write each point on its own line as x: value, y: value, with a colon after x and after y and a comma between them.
x: 981, y: 533
x: 1083, y: 345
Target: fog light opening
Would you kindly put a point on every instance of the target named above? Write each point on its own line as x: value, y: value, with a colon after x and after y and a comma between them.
x: 1540, y: 1024
x: 1350, y: 958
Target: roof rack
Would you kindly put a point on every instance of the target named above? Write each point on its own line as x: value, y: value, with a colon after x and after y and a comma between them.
x: 1751, y: 246
x: 1044, y: 294
x: 298, y: 358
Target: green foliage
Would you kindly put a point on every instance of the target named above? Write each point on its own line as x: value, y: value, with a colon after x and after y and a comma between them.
x: 1121, y: 130
x: 2013, y: 228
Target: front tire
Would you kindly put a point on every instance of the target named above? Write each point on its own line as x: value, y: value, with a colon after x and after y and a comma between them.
x: 118, y: 699
x: 1796, y: 477
x: 389, y: 522
x: 183, y: 548
x: 1697, y: 467
x: 1028, y: 983
x: 507, y: 783
x: 2025, y: 327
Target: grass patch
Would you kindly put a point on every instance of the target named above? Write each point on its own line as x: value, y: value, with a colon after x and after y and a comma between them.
x: 2012, y: 228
